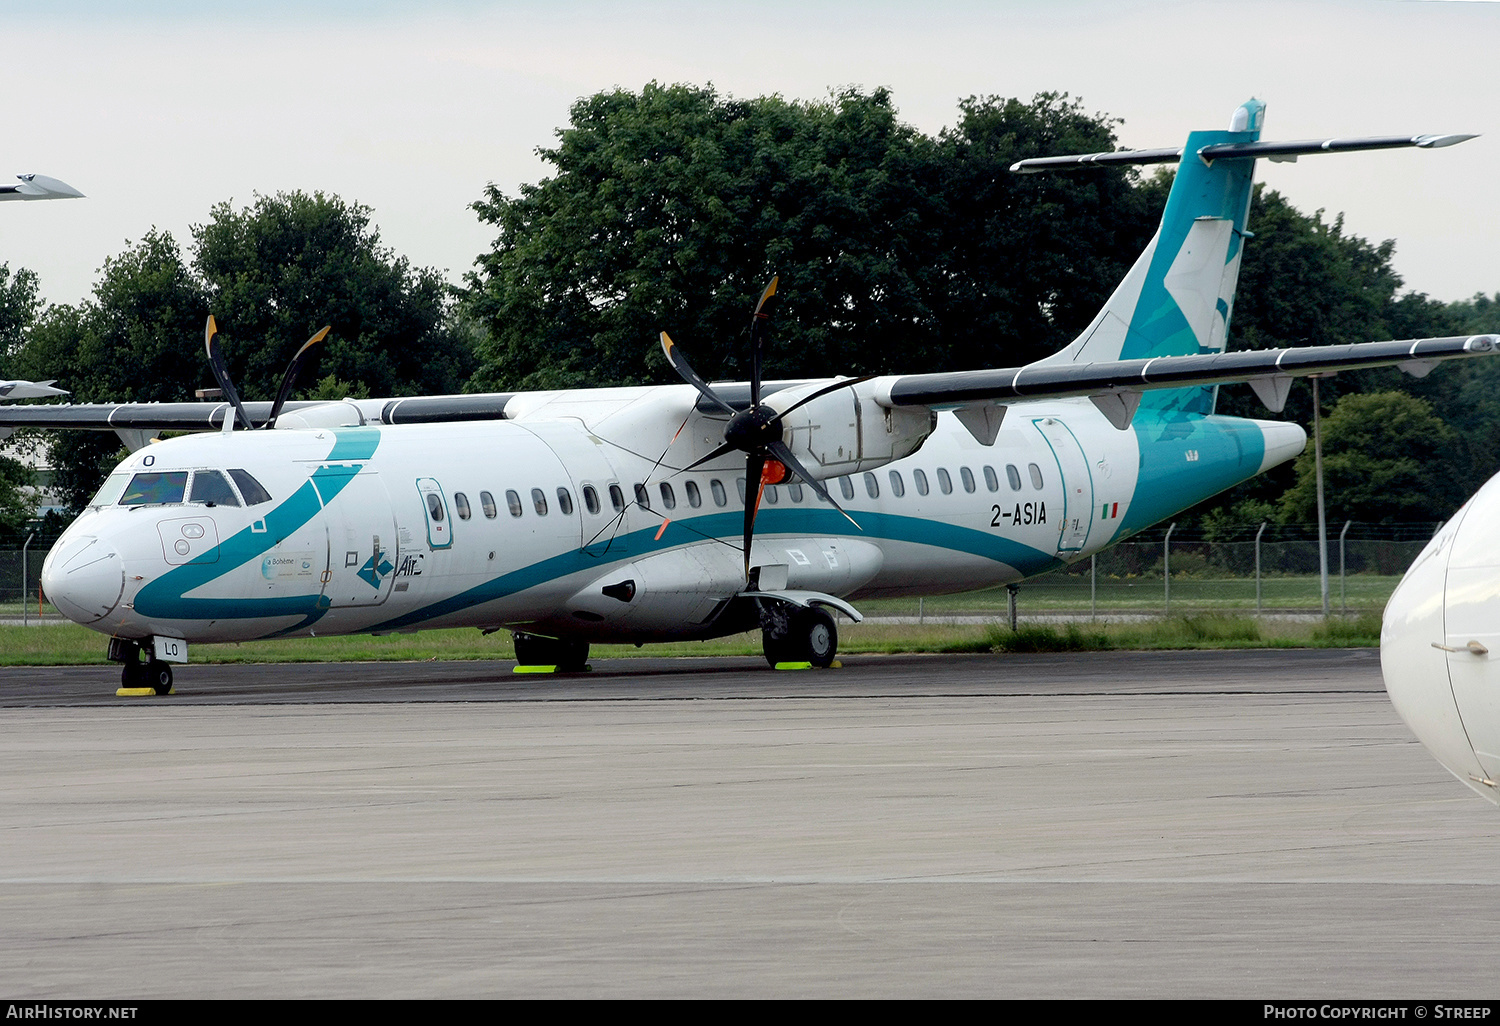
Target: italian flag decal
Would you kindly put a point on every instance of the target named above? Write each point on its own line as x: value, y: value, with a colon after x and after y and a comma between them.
x: 1111, y: 511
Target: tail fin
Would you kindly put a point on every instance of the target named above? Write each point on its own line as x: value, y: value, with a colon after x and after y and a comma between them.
x: 1177, y: 299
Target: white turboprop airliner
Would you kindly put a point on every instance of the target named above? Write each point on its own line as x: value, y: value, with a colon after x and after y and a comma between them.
x: 693, y: 511
x: 1440, y: 645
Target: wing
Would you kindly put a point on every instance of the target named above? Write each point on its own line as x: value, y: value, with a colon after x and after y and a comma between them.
x: 209, y: 416
x: 1116, y: 386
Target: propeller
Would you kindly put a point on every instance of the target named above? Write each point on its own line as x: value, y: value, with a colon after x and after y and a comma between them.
x: 757, y: 430
x: 220, y: 368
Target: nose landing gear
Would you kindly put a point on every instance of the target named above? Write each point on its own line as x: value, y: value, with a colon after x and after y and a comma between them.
x: 139, y: 676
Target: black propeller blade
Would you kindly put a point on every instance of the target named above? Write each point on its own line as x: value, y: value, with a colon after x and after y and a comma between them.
x: 221, y: 372
x: 289, y: 379
x: 757, y: 431
x: 220, y: 368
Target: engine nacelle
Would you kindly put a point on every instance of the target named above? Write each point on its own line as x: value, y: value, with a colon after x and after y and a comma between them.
x: 847, y: 431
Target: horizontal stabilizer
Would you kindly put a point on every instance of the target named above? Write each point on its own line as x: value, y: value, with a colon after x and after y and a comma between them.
x: 1220, y: 151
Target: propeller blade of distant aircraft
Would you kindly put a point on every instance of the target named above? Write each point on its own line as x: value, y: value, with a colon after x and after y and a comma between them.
x: 289, y: 379
x: 221, y: 371
x: 685, y: 371
x: 782, y: 453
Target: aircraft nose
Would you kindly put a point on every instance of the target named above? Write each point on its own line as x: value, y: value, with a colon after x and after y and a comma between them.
x: 84, y: 577
x: 1417, y: 673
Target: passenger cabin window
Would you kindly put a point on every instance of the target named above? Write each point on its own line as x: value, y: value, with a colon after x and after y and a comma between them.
x: 539, y: 501
x: 668, y: 496
x: 1036, y: 476
x: 945, y: 482
x: 642, y: 497
x: 616, y: 497
x: 155, y: 487
x: 565, y: 502
x: 513, y: 500
x: 461, y: 503
x: 967, y: 477
x: 721, y: 497
x: 898, y: 487
x: 591, y: 499
x: 212, y: 489
x: 1013, y: 476
x: 739, y: 483
x: 872, y: 486
x: 921, y: 481
x: 250, y: 488
x: 487, y: 503
x: 991, y: 479
x: 795, y: 491
x: 434, y: 507
x: 695, y: 497
x: 846, y: 487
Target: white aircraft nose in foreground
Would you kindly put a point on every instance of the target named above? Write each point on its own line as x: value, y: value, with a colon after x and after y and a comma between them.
x: 1440, y: 645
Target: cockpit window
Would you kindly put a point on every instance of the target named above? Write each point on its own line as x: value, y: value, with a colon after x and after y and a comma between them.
x: 250, y: 488
x: 212, y: 488
x: 155, y: 487
x: 109, y: 493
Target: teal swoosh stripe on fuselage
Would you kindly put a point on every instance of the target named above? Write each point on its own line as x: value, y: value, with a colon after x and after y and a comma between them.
x: 798, y: 522
x: 1227, y: 450
x: 166, y: 597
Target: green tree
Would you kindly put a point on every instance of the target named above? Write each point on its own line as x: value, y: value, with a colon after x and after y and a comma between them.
x: 278, y: 270
x: 19, y: 304
x: 670, y: 209
x: 1387, y: 459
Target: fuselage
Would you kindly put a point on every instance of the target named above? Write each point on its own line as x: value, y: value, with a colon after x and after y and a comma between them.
x: 538, y: 524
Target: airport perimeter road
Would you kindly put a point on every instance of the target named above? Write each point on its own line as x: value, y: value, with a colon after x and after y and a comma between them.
x: 1250, y: 825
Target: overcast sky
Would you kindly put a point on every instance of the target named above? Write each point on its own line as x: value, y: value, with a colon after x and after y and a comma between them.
x: 158, y: 110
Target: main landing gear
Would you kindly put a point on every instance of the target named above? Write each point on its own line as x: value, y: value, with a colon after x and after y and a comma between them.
x: 567, y: 655
x: 797, y: 634
x: 139, y: 671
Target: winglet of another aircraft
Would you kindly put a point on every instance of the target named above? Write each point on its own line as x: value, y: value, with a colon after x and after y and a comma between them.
x: 28, y: 389
x: 38, y: 187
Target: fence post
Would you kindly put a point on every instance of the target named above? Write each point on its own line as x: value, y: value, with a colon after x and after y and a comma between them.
x: 1094, y: 586
x: 1010, y: 595
x: 1166, y: 569
x: 25, y: 599
x: 1343, y: 605
x: 1257, y: 566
